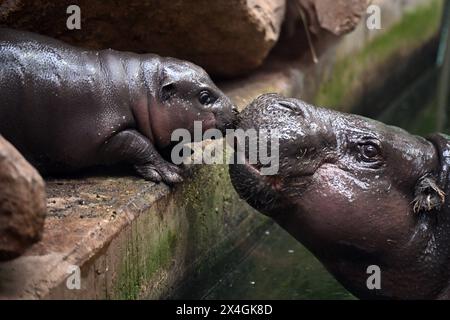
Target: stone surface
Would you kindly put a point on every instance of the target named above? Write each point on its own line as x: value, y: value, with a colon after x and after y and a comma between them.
x: 22, y: 203
x: 340, y: 16
x: 336, y: 16
x: 226, y: 37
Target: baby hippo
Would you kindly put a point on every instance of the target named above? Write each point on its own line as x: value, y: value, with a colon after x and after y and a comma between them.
x: 67, y: 108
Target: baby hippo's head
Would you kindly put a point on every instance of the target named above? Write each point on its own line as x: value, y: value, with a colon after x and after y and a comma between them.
x: 187, y: 94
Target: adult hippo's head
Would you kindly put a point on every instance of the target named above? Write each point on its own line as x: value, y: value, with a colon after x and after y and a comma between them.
x: 356, y: 193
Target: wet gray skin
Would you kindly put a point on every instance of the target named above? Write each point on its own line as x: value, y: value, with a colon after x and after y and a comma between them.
x: 66, y: 108
x: 356, y: 193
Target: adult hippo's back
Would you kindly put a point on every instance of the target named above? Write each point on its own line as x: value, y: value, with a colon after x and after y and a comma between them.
x: 66, y: 108
x: 356, y: 193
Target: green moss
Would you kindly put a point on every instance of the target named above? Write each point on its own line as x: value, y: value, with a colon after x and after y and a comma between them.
x: 160, y: 256
x: 144, y: 257
x: 154, y: 244
x: 203, y: 200
x: 414, y: 29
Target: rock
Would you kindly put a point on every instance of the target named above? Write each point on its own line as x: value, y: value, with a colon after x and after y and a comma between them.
x: 326, y: 20
x: 336, y: 16
x: 340, y: 16
x: 22, y: 203
x: 226, y: 37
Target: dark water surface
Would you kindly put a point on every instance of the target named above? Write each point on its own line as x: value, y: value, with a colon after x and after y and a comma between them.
x: 279, y: 267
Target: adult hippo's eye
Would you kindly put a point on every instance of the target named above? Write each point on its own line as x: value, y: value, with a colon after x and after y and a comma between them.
x: 205, y: 97
x: 369, y: 152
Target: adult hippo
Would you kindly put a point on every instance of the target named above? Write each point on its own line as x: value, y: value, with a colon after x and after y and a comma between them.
x: 356, y: 193
x: 66, y: 108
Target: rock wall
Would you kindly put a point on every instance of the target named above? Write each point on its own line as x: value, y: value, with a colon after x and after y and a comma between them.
x: 22, y: 203
x: 226, y: 37
x: 336, y: 16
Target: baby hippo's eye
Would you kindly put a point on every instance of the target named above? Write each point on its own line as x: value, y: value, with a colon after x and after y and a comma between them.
x: 205, y: 97
x: 369, y: 152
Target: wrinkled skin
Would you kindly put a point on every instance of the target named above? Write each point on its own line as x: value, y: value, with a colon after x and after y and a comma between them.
x: 66, y: 108
x: 346, y: 188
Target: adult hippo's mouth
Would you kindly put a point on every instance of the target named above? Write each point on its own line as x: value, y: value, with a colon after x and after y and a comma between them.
x: 356, y: 193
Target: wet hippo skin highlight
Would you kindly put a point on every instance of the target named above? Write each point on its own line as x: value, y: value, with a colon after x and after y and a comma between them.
x: 356, y: 193
x: 66, y: 108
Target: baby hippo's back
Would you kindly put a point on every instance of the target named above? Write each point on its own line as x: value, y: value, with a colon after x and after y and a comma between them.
x: 55, y: 97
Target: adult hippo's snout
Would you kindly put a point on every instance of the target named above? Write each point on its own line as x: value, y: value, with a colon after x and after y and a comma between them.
x: 294, y: 125
x: 356, y: 193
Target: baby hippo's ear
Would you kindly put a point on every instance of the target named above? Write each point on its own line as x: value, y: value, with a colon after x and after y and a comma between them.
x: 167, y: 91
x: 167, y: 85
x: 428, y: 195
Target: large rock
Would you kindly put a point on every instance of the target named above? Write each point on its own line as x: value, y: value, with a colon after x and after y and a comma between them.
x: 336, y: 16
x: 22, y: 203
x: 226, y: 37
x: 325, y: 20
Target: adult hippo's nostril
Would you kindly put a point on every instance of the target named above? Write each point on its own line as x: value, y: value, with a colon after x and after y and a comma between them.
x: 290, y: 106
x: 230, y: 125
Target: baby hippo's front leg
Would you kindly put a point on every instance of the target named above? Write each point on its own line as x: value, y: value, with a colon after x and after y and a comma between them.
x: 132, y: 147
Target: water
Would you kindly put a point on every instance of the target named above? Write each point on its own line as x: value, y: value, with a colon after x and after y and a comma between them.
x: 279, y: 267
x: 415, y: 109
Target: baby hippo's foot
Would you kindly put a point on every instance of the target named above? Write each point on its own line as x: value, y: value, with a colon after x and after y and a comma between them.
x: 162, y: 171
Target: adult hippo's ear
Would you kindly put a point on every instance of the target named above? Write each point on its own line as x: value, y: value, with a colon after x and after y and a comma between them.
x: 428, y: 195
x: 430, y: 190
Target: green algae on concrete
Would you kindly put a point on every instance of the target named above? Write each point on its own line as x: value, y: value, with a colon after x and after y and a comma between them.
x: 145, y: 255
x: 350, y: 73
x: 182, y: 236
x: 209, y: 222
